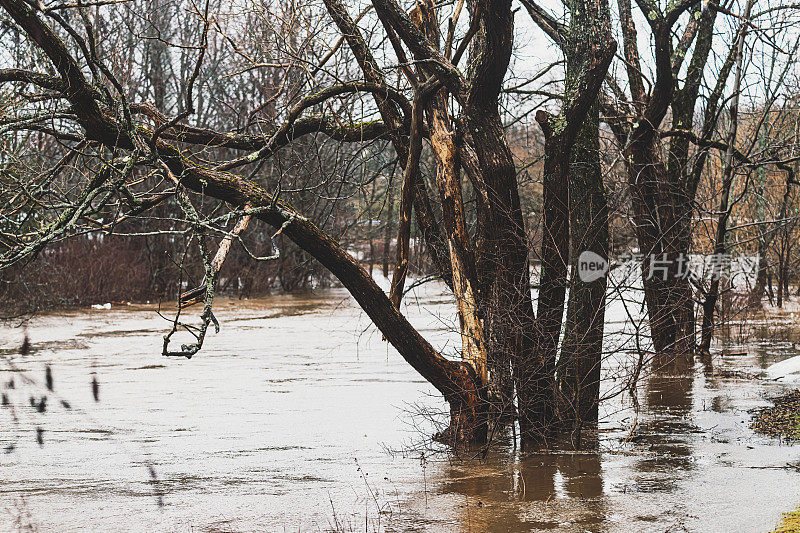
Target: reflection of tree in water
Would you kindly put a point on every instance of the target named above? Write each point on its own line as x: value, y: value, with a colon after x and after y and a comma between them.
x: 772, y: 341
x: 516, y: 494
x: 667, y: 426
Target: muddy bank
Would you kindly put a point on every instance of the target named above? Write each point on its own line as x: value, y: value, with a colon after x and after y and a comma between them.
x: 782, y: 419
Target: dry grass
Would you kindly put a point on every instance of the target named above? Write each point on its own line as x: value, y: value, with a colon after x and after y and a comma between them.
x: 790, y: 523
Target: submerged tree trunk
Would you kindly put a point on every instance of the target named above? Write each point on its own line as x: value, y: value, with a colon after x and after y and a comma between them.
x: 579, y: 365
x: 581, y: 352
x: 662, y: 196
x: 555, y: 243
x: 456, y: 380
x: 578, y: 369
x: 510, y: 314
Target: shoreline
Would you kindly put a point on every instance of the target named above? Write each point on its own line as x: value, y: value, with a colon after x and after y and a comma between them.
x: 782, y: 419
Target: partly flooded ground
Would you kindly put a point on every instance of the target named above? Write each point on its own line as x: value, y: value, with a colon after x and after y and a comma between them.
x: 297, y: 416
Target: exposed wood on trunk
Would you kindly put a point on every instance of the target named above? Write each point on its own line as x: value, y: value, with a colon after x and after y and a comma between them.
x: 462, y: 257
x: 426, y: 221
x: 510, y: 318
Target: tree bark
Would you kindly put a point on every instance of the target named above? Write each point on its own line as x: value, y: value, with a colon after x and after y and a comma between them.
x: 510, y: 319
x: 579, y: 364
x: 581, y: 352
x: 448, y: 179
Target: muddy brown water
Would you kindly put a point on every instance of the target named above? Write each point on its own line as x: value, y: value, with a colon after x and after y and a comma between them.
x: 298, y: 417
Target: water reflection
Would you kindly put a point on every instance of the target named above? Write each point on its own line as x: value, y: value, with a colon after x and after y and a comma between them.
x: 510, y: 493
x: 283, y: 422
x: 568, y: 491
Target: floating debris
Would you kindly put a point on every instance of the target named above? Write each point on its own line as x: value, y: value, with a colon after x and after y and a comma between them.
x: 48, y: 377
x: 95, y: 388
x: 725, y: 373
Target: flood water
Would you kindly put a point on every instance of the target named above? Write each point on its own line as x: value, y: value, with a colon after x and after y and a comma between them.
x: 296, y: 416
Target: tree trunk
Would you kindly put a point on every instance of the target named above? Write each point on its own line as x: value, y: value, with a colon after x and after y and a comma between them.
x: 555, y: 243
x: 720, y: 248
x: 462, y: 256
x: 660, y: 221
x: 456, y: 380
x: 579, y: 365
x: 582, y: 348
x: 510, y: 319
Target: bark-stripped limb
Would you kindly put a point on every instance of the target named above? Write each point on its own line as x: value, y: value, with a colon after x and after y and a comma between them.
x: 197, y: 294
x: 454, y: 380
x: 509, y: 318
x: 448, y: 180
